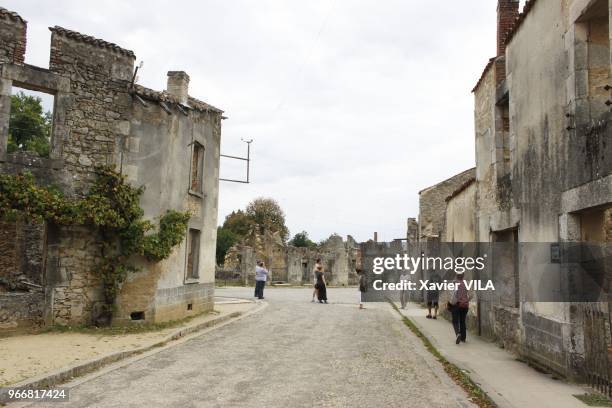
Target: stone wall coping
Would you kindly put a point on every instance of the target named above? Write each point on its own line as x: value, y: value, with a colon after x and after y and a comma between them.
x: 11, y: 15
x: 484, y: 73
x: 473, y: 169
x: 460, y: 189
x: 91, y: 40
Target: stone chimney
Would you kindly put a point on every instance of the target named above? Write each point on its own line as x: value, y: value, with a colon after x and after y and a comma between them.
x: 507, y: 13
x: 178, y: 85
x: 375, y: 236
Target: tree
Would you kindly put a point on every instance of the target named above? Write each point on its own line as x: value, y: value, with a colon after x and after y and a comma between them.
x: 324, y: 241
x: 268, y: 215
x: 301, y: 240
x: 226, y: 238
x: 29, y: 125
x: 238, y: 222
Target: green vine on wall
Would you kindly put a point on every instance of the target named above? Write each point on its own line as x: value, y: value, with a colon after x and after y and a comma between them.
x: 112, y: 206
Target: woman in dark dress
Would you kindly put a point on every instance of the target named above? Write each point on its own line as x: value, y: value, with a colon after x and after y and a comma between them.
x: 321, y: 285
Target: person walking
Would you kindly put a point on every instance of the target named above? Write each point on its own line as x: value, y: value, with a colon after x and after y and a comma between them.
x: 363, y: 287
x: 314, y: 272
x: 261, y: 275
x: 404, y: 278
x: 433, y: 296
x: 321, y: 285
x: 459, y: 305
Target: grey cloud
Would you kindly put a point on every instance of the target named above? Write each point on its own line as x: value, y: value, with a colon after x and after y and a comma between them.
x: 354, y: 105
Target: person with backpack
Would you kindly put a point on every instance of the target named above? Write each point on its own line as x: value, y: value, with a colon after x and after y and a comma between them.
x: 433, y: 296
x: 459, y: 306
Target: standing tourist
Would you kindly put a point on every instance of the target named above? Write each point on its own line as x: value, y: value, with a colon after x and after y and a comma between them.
x: 321, y: 285
x: 261, y: 275
x: 433, y: 296
x: 314, y: 273
x: 404, y: 277
x: 363, y: 286
x: 459, y: 305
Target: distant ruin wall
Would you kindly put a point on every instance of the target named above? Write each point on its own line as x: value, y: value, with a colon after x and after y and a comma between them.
x: 291, y: 264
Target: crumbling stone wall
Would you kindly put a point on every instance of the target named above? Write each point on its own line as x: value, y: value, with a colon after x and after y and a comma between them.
x: 291, y: 264
x: 102, y: 119
x: 100, y: 101
x: 22, y: 246
x: 20, y: 311
x: 76, y: 288
x: 432, y: 204
x: 13, y: 32
x: 9, y: 261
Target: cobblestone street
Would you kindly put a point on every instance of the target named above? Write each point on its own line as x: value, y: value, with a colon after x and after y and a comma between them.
x: 292, y: 354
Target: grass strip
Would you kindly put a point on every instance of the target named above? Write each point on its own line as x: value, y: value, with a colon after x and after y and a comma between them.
x: 475, y: 393
x: 594, y: 400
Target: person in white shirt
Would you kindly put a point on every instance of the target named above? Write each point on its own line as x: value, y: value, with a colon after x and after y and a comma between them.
x: 261, y: 275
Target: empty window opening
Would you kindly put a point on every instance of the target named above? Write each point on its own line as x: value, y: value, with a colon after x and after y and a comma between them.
x: 502, y: 135
x: 197, y: 167
x: 193, y: 255
x: 189, y: 306
x: 594, y: 23
x: 30, y: 122
x: 137, y: 315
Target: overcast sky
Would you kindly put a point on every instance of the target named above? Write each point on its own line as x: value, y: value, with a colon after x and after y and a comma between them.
x: 354, y: 106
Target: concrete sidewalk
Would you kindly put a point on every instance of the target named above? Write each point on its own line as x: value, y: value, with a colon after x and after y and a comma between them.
x: 508, y: 382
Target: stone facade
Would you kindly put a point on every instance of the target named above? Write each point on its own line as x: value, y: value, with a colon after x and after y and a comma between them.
x: 432, y: 204
x: 166, y: 141
x: 543, y: 178
x: 21, y: 311
x: 459, y: 220
x: 14, y: 31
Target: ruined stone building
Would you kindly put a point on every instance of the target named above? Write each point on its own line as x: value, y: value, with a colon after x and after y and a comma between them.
x: 543, y: 179
x: 432, y: 204
x: 289, y: 264
x: 166, y: 141
x: 424, y: 236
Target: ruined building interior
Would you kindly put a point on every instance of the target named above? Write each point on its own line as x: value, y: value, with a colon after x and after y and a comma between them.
x: 166, y: 141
